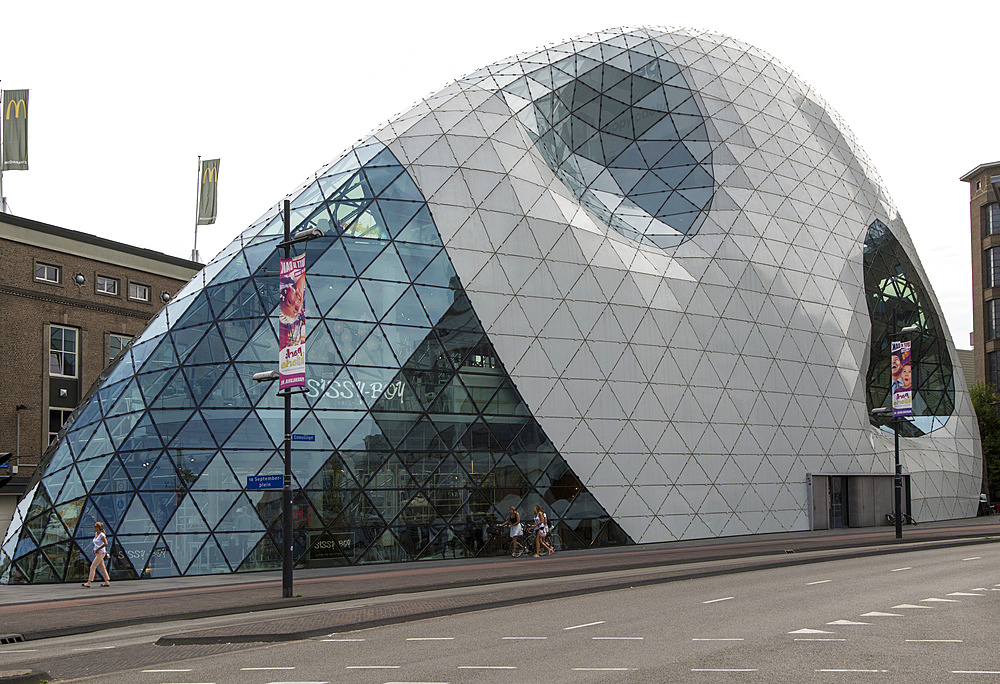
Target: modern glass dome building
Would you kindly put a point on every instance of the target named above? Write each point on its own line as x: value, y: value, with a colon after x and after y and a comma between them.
x: 644, y: 278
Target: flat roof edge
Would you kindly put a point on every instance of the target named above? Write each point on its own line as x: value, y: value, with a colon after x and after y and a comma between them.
x: 87, y: 238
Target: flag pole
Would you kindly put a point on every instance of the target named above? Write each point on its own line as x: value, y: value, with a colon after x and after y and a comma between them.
x: 197, y: 200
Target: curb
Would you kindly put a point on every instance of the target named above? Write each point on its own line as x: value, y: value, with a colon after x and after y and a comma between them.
x: 672, y: 574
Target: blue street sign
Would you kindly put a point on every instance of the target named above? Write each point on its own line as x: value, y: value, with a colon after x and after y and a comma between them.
x: 265, y: 481
x: 303, y: 438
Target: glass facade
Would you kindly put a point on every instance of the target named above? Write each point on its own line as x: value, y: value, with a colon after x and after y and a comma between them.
x: 419, y: 438
x: 892, y: 289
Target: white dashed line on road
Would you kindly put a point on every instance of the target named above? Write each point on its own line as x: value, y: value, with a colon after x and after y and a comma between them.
x: 162, y: 671
x: 373, y: 667
x: 973, y: 558
x: 901, y: 569
x: 993, y: 672
x: 875, y: 613
x: 908, y: 605
x: 341, y: 639
x: 526, y: 638
x: 817, y: 582
x: 719, y: 639
x: 603, y: 669
x: 962, y: 593
x: 847, y: 622
x: 430, y: 638
x: 806, y: 630
x: 728, y: 598
x: 263, y: 669
x: 934, y: 641
x: 723, y: 669
x: 848, y: 670
x: 589, y: 624
x: 817, y: 639
x: 486, y: 667
x: 938, y: 600
x: 619, y: 638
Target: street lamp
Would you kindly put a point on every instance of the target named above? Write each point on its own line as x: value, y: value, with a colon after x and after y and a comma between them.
x: 271, y: 376
x: 17, y: 452
x: 883, y: 411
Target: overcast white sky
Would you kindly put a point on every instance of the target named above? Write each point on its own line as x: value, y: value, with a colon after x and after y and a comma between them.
x: 125, y: 95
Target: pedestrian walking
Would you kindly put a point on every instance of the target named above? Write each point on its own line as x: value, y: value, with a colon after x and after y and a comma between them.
x: 100, y: 551
x: 541, y: 532
x: 516, y: 531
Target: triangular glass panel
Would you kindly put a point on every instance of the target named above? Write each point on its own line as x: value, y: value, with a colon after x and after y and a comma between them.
x: 327, y: 290
x: 236, y: 545
x: 194, y: 435
x: 136, y: 520
x: 186, y: 519
x: 420, y: 230
x: 250, y: 435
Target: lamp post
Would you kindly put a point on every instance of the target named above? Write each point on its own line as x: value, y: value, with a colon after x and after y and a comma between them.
x: 882, y: 411
x: 286, y: 394
x: 17, y: 451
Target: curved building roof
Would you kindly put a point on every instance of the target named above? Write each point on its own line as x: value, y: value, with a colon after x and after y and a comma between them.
x: 644, y: 278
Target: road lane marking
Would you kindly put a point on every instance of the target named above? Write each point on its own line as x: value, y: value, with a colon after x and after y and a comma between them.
x: 486, y: 667
x: 341, y: 639
x: 806, y: 630
x: 728, y: 598
x: 817, y: 639
x: 95, y: 648
x: 720, y: 639
x: 847, y: 622
x: 875, y: 613
x: 21, y: 650
x: 263, y: 669
x: 962, y: 593
x: 938, y: 600
x: 373, y: 667
x: 847, y: 670
x: 619, y: 638
x: 159, y: 671
x: 934, y: 641
x: 901, y: 569
x: 909, y: 605
x: 818, y: 582
x: 522, y: 638
x: 975, y: 671
x: 430, y: 638
x: 589, y: 624
x: 603, y: 669
x: 973, y: 558
x: 722, y: 669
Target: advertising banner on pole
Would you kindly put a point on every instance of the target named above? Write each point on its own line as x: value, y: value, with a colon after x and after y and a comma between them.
x: 902, y: 379
x: 15, y: 130
x: 292, y: 324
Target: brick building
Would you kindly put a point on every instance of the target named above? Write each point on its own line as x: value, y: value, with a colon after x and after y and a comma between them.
x: 69, y: 303
x: 984, y: 219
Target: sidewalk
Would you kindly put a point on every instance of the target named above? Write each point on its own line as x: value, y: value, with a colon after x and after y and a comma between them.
x: 42, y: 611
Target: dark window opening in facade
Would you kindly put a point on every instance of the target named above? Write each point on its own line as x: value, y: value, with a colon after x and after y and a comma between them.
x: 108, y: 286
x: 993, y: 319
x: 63, y: 351
x: 991, y: 219
x: 993, y: 368
x: 991, y: 268
x: 57, y: 416
x: 138, y: 292
x: 47, y: 273
x: 116, y: 345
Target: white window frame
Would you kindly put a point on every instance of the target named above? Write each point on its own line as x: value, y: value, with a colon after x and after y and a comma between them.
x: 136, y: 298
x: 40, y: 279
x: 125, y: 339
x: 65, y: 414
x: 102, y: 279
x: 62, y: 353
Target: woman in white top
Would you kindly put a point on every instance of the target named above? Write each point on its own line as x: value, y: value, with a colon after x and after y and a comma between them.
x: 541, y: 531
x: 100, y: 551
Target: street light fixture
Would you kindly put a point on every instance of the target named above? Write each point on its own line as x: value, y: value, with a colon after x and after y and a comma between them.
x: 885, y: 411
x: 271, y: 376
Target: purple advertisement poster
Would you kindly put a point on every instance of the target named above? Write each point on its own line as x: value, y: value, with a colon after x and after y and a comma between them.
x: 902, y: 379
x: 292, y: 324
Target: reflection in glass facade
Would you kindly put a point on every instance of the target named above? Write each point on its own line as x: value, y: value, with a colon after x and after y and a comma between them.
x: 641, y: 278
x: 893, y: 289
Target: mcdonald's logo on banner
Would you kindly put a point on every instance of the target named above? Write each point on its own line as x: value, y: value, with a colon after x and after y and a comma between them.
x: 208, y: 191
x: 15, y: 130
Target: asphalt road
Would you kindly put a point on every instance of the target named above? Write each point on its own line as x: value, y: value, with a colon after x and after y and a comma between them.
x: 926, y: 615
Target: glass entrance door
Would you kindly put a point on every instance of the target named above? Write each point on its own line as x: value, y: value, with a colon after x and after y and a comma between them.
x: 838, y: 501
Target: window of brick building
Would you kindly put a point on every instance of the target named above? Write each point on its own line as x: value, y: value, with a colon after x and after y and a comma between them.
x: 138, y: 292
x: 47, y: 273
x: 57, y: 416
x: 116, y: 343
x: 991, y: 219
x: 63, y: 351
x: 108, y: 286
